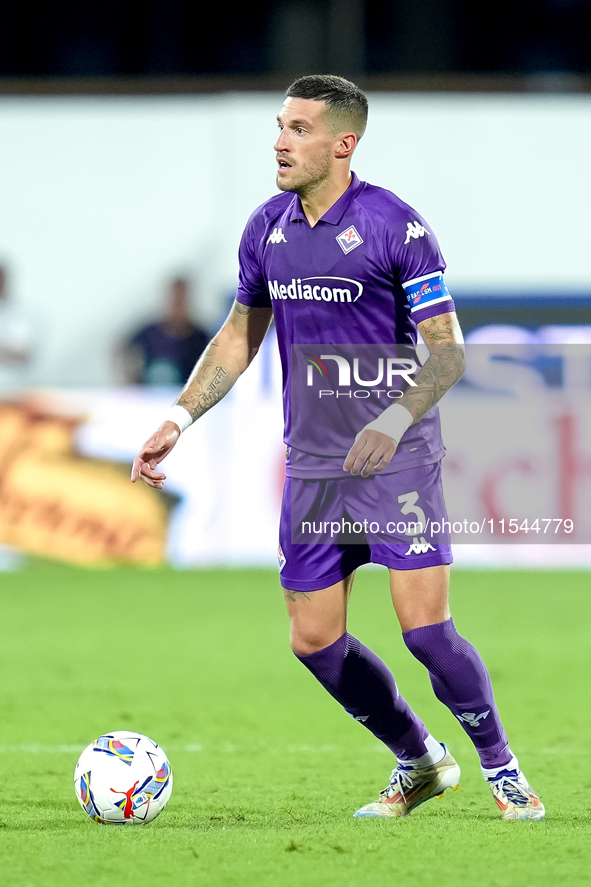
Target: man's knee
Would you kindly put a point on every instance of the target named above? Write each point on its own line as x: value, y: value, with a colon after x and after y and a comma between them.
x: 305, y: 640
x: 317, y: 619
x: 420, y: 597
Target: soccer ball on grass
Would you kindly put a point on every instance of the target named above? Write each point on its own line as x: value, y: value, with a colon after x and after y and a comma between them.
x: 123, y: 778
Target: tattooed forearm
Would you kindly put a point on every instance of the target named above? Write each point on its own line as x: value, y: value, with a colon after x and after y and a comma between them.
x: 446, y: 364
x: 202, y: 396
x: 444, y: 367
x: 220, y: 372
x: 225, y: 358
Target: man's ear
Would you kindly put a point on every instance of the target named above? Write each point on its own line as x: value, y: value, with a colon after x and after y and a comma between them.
x: 346, y: 145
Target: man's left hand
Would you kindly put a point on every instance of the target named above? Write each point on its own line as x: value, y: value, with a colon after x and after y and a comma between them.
x: 371, y: 452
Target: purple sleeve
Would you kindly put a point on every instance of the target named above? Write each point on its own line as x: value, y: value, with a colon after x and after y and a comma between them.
x: 420, y: 266
x: 252, y: 289
x: 433, y: 310
x: 415, y: 248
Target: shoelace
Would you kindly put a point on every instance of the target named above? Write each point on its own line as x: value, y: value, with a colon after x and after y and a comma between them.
x: 514, y: 792
x: 400, y: 780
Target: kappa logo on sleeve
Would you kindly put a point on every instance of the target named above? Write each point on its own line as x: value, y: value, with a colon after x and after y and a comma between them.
x: 415, y: 230
x: 349, y: 239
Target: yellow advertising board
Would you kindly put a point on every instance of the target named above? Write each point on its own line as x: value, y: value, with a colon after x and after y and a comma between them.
x: 57, y: 504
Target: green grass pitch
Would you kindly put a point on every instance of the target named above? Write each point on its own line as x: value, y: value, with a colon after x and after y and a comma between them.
x: 268, y: 770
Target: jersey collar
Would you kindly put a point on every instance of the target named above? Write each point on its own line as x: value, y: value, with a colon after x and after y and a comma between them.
x: 336, y: 212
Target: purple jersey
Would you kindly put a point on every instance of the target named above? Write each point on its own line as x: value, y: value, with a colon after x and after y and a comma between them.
x: 365, y: 274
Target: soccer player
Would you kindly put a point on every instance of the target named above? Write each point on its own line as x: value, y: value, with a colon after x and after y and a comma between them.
x: 334, y: 259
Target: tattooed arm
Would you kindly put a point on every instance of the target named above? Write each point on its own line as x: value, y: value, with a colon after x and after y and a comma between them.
x: 373, y: 450
x: 445, y: 366
x: 223, y: 361
x: 225, y: 358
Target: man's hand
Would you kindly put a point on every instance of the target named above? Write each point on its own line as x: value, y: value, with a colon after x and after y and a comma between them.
x: 154, y: 451
x: 371, y: 452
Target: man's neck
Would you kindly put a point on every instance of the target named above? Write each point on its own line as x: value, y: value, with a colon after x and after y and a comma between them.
x: 316, y: 204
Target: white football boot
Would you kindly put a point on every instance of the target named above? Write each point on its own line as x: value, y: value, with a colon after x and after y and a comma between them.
x: 514, y: 796
x: 411, y: 787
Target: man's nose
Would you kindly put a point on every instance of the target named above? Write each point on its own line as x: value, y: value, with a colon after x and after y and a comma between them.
x: 282, y: 143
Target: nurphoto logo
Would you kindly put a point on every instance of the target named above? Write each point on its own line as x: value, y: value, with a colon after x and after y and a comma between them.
x: 385, y: 371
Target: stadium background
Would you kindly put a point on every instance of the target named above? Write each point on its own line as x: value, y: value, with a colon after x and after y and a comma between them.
x: 106, y: 197
x: 135, y: 142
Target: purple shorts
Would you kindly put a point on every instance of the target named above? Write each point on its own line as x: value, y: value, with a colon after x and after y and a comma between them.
x: 330, y: 527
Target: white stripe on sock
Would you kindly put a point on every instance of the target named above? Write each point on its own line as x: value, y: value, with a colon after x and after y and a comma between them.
x: 435, y: 753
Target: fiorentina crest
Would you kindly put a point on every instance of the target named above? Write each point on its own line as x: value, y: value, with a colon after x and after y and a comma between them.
x: 349, y: 239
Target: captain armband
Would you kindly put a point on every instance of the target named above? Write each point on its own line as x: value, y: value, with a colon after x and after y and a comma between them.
x: 425, y: 291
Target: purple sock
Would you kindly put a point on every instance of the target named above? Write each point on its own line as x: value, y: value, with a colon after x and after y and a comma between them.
x: 460, y: 680
x: 365, y: 687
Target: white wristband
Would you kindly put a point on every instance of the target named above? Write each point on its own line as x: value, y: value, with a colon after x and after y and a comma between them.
x: 180, y: 416
x: 394, y: 421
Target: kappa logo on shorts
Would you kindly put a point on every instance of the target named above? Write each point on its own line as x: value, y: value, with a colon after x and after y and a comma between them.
x: 349, y: 239
x: 419, y: 546
x: 281, y: 558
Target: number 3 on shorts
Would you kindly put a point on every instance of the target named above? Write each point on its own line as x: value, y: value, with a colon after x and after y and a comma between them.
x: 410, y: 507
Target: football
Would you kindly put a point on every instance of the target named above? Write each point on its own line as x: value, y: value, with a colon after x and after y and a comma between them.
x: 123, y: 778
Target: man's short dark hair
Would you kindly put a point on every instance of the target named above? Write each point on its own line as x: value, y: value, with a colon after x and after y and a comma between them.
x: 346, y: 104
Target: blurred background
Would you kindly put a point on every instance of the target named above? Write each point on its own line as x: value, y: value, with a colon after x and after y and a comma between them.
x: 359, y: 37
x: 135, y: 141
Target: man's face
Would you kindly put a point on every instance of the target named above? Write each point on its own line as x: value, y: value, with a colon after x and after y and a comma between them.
x: 178, y: 309
x: 304, y: 147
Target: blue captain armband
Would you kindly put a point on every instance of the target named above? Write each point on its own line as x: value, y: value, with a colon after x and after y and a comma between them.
x: 422, y: 292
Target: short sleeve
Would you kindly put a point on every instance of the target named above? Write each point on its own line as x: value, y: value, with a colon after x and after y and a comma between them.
x: 415, y: 249
x: 252, y: 289
x: 419, y: 264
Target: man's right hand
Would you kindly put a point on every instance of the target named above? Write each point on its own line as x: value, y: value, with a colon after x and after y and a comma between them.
x: 154, y: 451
